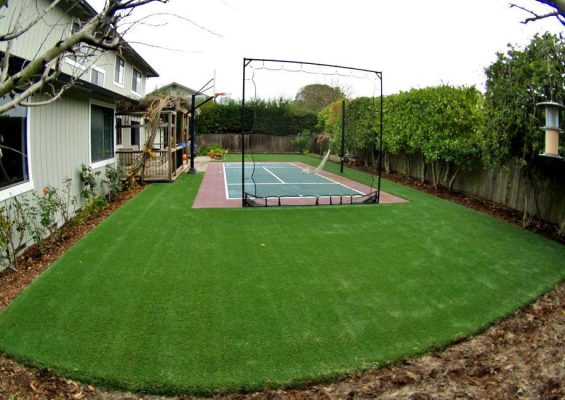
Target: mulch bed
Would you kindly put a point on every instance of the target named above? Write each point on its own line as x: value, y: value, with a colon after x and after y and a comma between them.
x: 521, y: 357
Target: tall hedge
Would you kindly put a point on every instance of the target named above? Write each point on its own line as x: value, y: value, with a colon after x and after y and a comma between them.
x: 275, y: 117
x: 442, y: 123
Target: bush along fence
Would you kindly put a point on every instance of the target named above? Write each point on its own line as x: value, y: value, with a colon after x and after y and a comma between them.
x: 39, y: 217
x: 257, y: 143
x: 274, y: 117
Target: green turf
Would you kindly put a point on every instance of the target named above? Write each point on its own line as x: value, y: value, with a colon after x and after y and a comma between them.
x: 164, y: 298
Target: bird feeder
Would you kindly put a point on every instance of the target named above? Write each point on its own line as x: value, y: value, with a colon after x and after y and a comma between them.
x: 551, y: 128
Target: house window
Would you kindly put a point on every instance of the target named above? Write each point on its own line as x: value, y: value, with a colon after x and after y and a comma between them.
x: 118, y: 131
x: 13, y: 146
x: 119, y: 70
x: 101, y: 133
x: 97, y: 76
x: 136, y: 81
x: 134, y: 133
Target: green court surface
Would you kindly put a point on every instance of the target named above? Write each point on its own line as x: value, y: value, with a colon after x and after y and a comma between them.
x: 279, y: 179
x: 164, y: 298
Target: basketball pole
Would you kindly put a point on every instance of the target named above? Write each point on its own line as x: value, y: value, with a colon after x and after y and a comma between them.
x: 192, y: 122
x: 242, y: 139
x: 342, y: 155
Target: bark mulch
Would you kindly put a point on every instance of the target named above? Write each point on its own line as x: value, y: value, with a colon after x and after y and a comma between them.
x: 522, y: 357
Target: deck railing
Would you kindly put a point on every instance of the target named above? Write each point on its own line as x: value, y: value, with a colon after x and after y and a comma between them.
x: 163, y: 165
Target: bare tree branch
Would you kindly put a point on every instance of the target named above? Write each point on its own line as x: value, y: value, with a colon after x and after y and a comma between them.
x: 40, y: 74
x: 18, y: 31
x: 156, y: 46
x: 99, y: 33
x: 189, y: 21
x: 557, y: 5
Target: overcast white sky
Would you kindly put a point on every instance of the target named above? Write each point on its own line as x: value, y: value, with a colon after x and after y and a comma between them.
x: 416, y: 43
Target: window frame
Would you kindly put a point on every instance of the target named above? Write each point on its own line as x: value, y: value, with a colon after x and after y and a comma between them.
x: 134, y: 71
x: 101, y: 163
x: 24, y: 186
x: 123, y: 69
x: 100, y: 71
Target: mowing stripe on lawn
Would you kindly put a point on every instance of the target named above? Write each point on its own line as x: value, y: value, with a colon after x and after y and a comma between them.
x: 164, y: 298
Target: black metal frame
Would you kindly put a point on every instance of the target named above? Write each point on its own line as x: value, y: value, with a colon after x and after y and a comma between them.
x: 192, y: 121
x: 256, y: 201
x: 379, y: 74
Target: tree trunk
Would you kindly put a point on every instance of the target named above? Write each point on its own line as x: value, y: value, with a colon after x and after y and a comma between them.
x: 444, y: 181
x: 434, y: 174
x: 526, y: 216
x: 452, y: 179
x: 423, y: 161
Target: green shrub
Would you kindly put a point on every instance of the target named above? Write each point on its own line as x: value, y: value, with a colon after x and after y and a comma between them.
x: 205, y: 150
x: 272, y: 117
x: 49, y: 204
x: 303, y: 141
x: 114, y: 181
x: 17, y: 219
x: 89, y: 183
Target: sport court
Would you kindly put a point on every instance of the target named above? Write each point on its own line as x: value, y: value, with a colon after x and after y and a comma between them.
x: 284, y: 183
x: 281, y: 180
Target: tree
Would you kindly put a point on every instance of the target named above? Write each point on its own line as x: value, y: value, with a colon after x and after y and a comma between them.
x: 516, y: 81
x: 316, y: 96
x: 558, y: 11
x: 20, y: 81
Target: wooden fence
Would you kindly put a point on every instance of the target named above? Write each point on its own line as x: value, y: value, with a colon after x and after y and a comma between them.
x: 510, y: 186
x: 254, y: 143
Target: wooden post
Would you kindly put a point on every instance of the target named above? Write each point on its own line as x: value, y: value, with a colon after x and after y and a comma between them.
x: 169, y: 130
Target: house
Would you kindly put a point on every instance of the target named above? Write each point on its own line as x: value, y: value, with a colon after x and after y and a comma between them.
x: 55, y: 139
x: 176, y: 90
x: 43, y: 145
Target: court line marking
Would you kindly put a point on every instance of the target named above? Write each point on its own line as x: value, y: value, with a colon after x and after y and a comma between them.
x: 298, y: 183
x: 285, y: 166
x: 331, y: 180
x: 276, y: 177
x: 262, y: 166
x: 226, y: 182
x: 304, y: 197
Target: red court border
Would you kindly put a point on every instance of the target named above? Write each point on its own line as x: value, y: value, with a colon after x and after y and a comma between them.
x: 212, y: 193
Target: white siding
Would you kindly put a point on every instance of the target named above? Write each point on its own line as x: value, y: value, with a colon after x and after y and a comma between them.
x: 59, y: 135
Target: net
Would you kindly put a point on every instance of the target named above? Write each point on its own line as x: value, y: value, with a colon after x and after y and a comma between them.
x: 287, y: 106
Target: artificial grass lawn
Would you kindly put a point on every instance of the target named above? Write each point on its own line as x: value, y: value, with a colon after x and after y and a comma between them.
x: 164, y: 298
